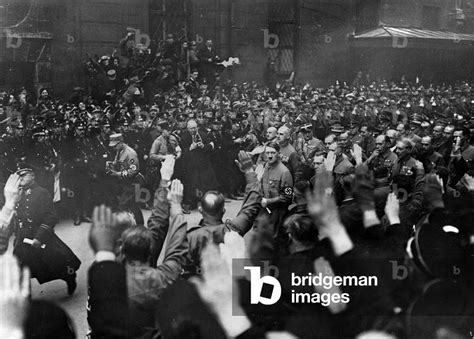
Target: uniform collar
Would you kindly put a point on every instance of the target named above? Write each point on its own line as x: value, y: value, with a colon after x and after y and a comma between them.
x: 268, y: 165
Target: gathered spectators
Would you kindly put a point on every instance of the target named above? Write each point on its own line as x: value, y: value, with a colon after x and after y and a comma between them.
x: 343, y: 181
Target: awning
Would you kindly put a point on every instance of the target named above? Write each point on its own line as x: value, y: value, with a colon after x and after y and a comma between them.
x: 25, y: 35
x: 397, y: 37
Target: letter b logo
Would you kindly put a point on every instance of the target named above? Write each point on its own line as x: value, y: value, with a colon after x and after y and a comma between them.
x: 270, y: 40
x: 257, y: 283
x: 399, y: 272
x: 13, y: 39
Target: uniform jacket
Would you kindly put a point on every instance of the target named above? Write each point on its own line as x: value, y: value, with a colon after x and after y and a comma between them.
x: 407, y: 165
x: 164, y: 146
x: 289, y: 158
x: 126, y: 162
x: 277, y: 186
x: 387, y: 159
x: 307, y: 149
x: 36, y: 215
x: 36, y: 218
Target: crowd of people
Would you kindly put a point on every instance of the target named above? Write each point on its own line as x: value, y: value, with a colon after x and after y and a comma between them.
x: 367, y: 179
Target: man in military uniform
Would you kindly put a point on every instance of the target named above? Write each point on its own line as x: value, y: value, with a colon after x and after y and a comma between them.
x: 288, y: 155
x: 367, y: 140
x: 407, y: 166
x: 162, y: 146
x: 277, y: 190
x: 101, y: 184
x: 212, y: 227
x: 36, y: 244
x: 382, y: 156
x: 445, y: 146
x: 45, y: 160
x: 437, y: 136
x: 15, y: 146
x: 430, y: 159
x: 222, y: 159
x: 306, y: 147
x: 125, y: 169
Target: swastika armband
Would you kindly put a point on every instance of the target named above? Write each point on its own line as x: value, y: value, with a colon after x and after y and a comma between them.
x: 287, y: 191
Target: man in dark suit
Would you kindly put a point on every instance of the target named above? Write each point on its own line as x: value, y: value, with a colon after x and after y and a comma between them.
x: 199, y: 173
x: 36, y: 244
x: 208, y: 56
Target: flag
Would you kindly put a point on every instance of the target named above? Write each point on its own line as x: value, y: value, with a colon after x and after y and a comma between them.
x: 230, y: 62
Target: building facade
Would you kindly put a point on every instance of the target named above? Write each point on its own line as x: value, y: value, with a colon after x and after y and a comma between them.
x: 45, y: 42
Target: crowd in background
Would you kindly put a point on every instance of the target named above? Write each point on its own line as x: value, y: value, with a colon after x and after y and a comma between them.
x: 369, y: 178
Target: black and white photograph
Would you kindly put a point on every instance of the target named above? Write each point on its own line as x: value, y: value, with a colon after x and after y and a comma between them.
x: 250, y: 169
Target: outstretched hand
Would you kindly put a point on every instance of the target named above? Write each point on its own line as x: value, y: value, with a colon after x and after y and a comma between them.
x: 104, y: 231
x: 364, y: 188
x: 175, y: 194
x: 468, y: 182
x: 12, y: 190
x: 244, y: 163
x: 322, y: 206
x: 167, y: 167
x: 15, y: 291
x: 330, y: 161
x: 215, y: 287
x: 356, y: 152
x: 392, y: 209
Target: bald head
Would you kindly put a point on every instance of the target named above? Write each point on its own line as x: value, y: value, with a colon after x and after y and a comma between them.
x: 283, y: 134
x: 382, y: 143
x: 271, y: 133
x: 212, y: 204
x: 392, y: 135
x: 426, y: 143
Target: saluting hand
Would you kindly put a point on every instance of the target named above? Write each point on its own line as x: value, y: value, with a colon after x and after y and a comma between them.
x: 175, y: 194
x: 167, y: 167
x: 15, y: 287
x: 12, y: 190
x: 330, y: 161
x: 103, y: 233
x: 244, y: 163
